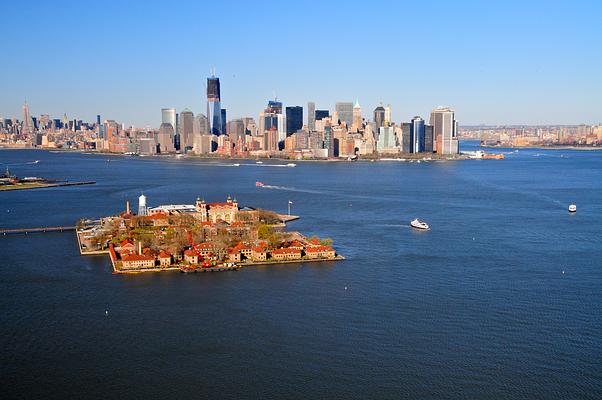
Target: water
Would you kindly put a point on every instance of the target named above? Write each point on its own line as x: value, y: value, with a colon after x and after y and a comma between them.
x: 478, y: 307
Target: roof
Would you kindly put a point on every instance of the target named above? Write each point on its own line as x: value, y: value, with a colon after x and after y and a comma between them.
x: 286, y: 251
x: 226, y: 204
x: 317, y: 249
x: 156, y: 216
x: 126, y: 242
x: 189, y: 253
x: 204, y: 245
x: 136, y: 257
x: 164, y: 254
x: 296, y: 243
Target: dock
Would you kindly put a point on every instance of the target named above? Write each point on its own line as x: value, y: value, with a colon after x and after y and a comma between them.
x: 26, y: 231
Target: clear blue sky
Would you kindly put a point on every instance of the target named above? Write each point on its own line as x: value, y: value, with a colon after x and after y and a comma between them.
x: 532, y: 62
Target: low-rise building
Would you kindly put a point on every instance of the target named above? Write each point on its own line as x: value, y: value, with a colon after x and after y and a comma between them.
x: 136, y: 261
x: 191, y: 257
x: 320, y: 252
x: 164, y: 259
x: 286, y: 254
x: 259, y: 253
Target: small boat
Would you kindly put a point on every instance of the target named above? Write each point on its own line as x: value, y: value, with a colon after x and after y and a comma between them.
x: 418, y: 224
x: 259, y: 184
x: 572, y: 208
x: 291, y: 165
x: 258, y: 162
x: 236, y: 165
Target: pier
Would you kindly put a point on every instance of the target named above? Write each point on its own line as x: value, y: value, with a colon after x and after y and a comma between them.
x: 36, y: 230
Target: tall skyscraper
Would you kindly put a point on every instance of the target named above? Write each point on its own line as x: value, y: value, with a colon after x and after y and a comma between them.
x: 406, y: 138
x: 311, y: 116
x: 186, y: 129
x: 169, y: 116
x: 294, y: 119
x: 345, y: 112
x: 224, y: 121
x: 445, y: 129
x: 379, y: 117
x: 273, y: 117
x: 357, y: 116
x: 388, y: 114
x: 27, y: 121
x: 214, y: 107
x: 428, y: 139
x: 417, y: 133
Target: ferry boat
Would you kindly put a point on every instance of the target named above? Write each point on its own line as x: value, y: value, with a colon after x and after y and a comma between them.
x: 259, y: 184
x: 418, y: 224
x: 572, y: 208
x: 499, y: 156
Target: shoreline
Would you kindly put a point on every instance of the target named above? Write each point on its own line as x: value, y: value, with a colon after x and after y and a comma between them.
x: 29, y: 186
x: 407, y: 157
x: 541, y: 147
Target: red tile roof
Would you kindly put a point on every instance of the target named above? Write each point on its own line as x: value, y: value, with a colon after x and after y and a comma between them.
x: 317, y: 249
x: 164, y: 254
x: 286, y: 251
x: 136, y: 257
x: 189, y: 253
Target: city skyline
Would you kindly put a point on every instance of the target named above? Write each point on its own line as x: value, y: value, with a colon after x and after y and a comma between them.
x: 511, y: 64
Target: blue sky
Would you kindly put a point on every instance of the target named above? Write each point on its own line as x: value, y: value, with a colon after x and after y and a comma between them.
x: 503, y: 62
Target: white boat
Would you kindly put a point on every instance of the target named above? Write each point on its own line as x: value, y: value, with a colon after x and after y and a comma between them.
x: 258, y: 162
x: 236, y: 165
x: 418, y: 224
x: 291, y: 165
x: 572, y: 208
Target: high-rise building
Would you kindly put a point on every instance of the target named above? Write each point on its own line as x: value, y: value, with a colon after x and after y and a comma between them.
x: 214, y: 108
x: 417, y: 133
x: 294, y: 119
x: 345, y: 112
x: 387, y: 142
x: 388, y: 114
x: 169, y: 116
x: 27, y: 121
x: 379, y: 117
x: 224, y: 121
x: 445, y: 129
x: 273, y: 117
x: 186, y: 129
x: 236, y: 131
x: 311, y: 116
x: 357, y: 116
x: 320, y: 114
x: 166, y: 138
x: 329, y: 139
x: 406, y: 138
x: 428, y: 139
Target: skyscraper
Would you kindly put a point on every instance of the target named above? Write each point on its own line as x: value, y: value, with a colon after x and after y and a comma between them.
x: 186, y: 129
x: 357, y: 116
x: 320, y: 114
x: 406, y: 138
x: 445, y: 130
x: 27, y: 121
x: 169, y: 116
x: 379, y: 117
x: 417, y: 134
x: 214, y: 108
x: 224, y: 121
x: 311, y: 116
x: 345, y: 112
x: 388, y: 114
x: 294, y: 119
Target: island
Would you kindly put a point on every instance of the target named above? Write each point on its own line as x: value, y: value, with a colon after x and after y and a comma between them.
x: 12, y: 182
x: 199, y: 237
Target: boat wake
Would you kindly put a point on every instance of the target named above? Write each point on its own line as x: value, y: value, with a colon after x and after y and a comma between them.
x: 292, y: 189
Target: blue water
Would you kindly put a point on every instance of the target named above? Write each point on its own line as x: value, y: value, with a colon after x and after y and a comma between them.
x: 476, y: 308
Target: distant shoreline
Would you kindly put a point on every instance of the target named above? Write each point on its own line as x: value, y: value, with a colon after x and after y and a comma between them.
x: 540, y: 147
x: 411, y: 157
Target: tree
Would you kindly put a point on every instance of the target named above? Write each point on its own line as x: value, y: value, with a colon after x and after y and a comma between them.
x: 264, y: 231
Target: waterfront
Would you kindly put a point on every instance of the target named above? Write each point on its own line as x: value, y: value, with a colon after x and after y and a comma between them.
x: 478, y: 307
